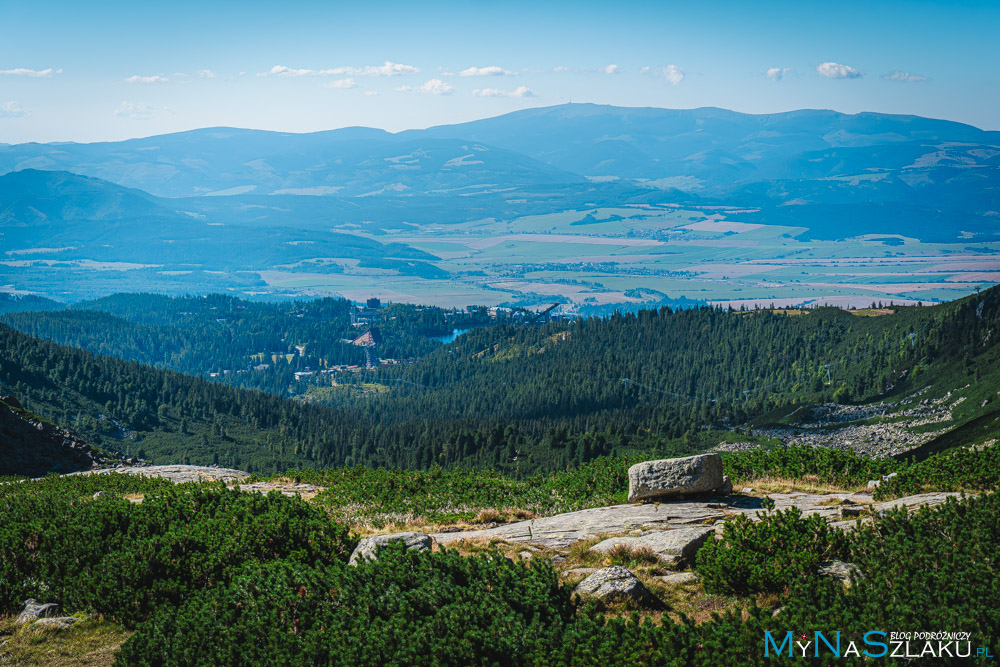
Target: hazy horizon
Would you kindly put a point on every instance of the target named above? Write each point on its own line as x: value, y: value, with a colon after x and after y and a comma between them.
x: 119, y: 70
x: 483, y: 117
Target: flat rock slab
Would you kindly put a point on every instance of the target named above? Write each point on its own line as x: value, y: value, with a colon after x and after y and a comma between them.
x: 56, y: 623
x: 304, y: 491
x: 668, y: 545
x: 178, y: 474
x: 562, y: 530
x: 679, y: 578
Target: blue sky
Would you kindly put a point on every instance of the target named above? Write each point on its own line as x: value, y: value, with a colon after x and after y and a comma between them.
x: 113, y: 70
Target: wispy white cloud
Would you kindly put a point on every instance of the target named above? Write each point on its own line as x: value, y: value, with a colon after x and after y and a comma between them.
x: 386, y: 69
x: 671, y: 73
x: 134, y: 110
x: 12, y: 110
x: 156, y: 78
x: 206, y: 74
x: 610, y: 69
x: 777, y: 73
x: 837, y: 71
x: 371, y: 93
x: 349, y: 82
x: 430, y: 87
x: 560, y: 68
x: 492, y: 70
x: 520, y: 91
x: 904, y: 76
x: 33, y: 73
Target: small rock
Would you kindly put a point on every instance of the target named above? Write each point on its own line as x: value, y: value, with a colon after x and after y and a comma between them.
x: 841, y: 571
x: 667, y: 478
x: 746, y: 489
x: 525, y: 555
x: 56, y: 623
x: 579, y: 572
x: 558, y: 559
x: 678, y: 578
x: 777, y: 611
x: 668, y: 545
x: 726, y: 488
x: 33, y: 610
x: 104, y: 494
x: 369, y: 547
x: 615, y: 583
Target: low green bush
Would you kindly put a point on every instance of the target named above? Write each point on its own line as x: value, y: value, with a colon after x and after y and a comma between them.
x: 112, y: 557
x: 840, y: 467
x: 404, y: 609
x: 956, y: 470
x: 768, y: 555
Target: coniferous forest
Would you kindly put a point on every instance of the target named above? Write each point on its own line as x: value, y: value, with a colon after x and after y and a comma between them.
x: 511, y: 397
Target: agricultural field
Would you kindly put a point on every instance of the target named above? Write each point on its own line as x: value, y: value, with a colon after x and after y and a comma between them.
x: 644, y: 255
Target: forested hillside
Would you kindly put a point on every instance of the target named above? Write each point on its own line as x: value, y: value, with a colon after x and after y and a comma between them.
x: 509, y: 397
x: 250, y: 344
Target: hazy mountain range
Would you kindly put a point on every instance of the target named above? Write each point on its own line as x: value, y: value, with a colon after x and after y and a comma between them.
x: 191, y: 196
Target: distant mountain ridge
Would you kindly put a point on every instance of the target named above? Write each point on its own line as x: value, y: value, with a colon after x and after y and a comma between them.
x: 705, y: 147
x: 235, y: 200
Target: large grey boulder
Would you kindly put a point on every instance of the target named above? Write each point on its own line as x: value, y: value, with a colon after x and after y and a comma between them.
x: 615, y: 584
x: 34, y: 610
x: 668, y: 545
x: 369, y: 547
x: 668, y: 478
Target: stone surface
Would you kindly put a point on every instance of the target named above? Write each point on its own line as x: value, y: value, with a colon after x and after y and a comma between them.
x: 668, y: 545
x: 667, y: 478
x: 615, y: 584
x: 562, y: 530
x: 726, y: 488
x: 178, y: 474
x: 56, y: 623
x: 34, y: 610
x: 579, y: 572
x: 851, y: 426
x: 107, y: 495
x: 678, y: 578
x: 841, y: 571
x: 369, y: 547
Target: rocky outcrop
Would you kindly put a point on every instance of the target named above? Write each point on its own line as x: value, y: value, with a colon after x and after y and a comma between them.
x: 616, y: 584
x: 32, y: 447
x: 562, y: 530
x: 840, y: 571
x: 57, y: 623
x: 679, y: 578
x: 178, y: 474
x: 34, y: 610
x: 670, y: 478
x: 369, y: 547
x: 668, y: 545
